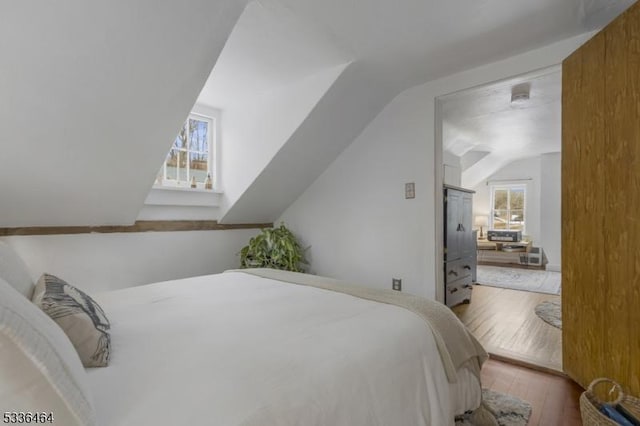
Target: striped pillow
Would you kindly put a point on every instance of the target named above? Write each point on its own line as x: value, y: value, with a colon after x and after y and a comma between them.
x: 79, y: 316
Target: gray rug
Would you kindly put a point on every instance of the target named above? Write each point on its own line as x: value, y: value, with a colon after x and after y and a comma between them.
x: 507, y: 410
x: 519, y: 279
x: 550, y: 312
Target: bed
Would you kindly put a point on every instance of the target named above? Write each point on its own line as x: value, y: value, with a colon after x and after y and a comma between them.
x: 253, y: 348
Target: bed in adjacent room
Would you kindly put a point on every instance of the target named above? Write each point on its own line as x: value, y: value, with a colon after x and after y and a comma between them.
x: 265, y: 347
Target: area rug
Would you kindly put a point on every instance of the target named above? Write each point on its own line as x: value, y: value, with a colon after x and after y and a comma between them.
x: 550, y: 312
x: 519, y: 279
x: 507, y: 410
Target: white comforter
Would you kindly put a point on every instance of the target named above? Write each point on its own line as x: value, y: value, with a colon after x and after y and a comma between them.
x: 235, y: 349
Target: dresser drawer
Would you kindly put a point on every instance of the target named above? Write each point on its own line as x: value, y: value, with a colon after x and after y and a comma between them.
x: 458, y: 291
x: 457, y: 269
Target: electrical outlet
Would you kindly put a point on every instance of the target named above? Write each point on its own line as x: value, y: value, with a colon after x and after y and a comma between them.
x: 396, y: 284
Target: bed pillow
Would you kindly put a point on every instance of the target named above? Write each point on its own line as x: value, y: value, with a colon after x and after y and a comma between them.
x: 14, y: 271
x: 79, y: 316
x: 39, y: 368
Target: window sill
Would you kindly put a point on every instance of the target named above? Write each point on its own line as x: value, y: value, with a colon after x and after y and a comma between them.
x: 184, y: 188
x: 178, y: 196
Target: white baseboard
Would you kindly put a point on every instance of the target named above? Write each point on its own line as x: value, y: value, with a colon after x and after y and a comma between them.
x: 554, y: 268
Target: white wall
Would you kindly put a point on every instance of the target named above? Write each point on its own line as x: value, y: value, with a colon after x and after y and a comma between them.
x: 452, y: 169
x: 354, y: 215
x: 542, y: 203
x: 528, y: 168
x: 550, y: 209
x: 101, y: 262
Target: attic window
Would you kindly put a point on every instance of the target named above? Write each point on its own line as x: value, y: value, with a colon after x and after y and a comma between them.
x: 190, y: 160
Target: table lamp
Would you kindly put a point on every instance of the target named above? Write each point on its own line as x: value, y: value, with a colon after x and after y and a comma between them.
x: 481, y: 220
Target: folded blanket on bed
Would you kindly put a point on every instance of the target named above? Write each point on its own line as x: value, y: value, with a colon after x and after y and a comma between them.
x: 455, y: 343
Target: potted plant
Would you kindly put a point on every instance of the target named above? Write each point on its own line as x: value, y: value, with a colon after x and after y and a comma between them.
x: 275, y: 248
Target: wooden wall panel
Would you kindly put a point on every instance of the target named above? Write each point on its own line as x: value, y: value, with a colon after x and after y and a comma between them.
x: 601, y: 206
x: 583, y: 212
x: 622, y: 227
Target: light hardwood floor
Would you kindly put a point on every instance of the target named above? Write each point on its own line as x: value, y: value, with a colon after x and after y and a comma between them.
x: 553, y: 399
x: 505, y: 323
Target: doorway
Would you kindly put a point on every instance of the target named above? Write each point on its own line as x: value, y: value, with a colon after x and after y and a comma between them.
x: 503, y: 141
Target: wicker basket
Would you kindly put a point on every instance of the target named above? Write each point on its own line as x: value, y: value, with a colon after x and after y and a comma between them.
x: 589, y: 403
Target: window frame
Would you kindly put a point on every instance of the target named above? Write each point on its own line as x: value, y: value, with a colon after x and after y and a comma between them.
x: 213, y: 121
x: 508, y: 188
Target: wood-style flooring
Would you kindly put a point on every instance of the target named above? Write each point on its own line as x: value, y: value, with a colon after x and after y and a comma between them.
x: 504, y: 321
x: 553, y: 399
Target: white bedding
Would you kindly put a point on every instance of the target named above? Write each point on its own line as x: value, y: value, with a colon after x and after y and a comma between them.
x: 236, y: 349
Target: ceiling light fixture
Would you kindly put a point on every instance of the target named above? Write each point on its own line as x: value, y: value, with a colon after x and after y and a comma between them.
x: 520, y: 94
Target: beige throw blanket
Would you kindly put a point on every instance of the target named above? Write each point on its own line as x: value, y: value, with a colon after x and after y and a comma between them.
x: 455, y: 343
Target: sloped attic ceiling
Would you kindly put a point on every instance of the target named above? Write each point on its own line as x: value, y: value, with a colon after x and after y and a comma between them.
x: 482, y: 123
x: 273, y: 72
x: 93, y: 94
x: 394, y: 46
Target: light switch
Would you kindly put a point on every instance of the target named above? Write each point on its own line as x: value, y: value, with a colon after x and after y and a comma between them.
x: 409, y: 190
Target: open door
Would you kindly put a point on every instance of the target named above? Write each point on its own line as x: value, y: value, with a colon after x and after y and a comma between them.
x: 601, y: 206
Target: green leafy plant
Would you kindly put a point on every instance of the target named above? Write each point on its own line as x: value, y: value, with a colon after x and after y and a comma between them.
x: 275, y: 248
